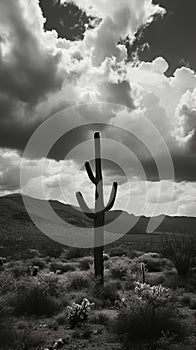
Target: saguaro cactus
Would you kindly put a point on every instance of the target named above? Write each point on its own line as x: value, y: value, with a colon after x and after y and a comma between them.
x: 99, y: 213
x: 143, y: 273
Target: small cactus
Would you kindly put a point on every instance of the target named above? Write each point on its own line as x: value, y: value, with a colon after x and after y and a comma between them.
x: 78, y: 313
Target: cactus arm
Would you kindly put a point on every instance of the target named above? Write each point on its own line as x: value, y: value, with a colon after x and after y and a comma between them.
x: 84, y: 207
x: 112, y: 197
x: 90, y: 173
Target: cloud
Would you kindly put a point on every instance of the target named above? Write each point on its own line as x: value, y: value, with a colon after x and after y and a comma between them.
x: 119, y: 21
x: 186, y: 120
x: 28, y: 63
x: 127, y: 16
x: 41, y: 74
x: 187, y: 209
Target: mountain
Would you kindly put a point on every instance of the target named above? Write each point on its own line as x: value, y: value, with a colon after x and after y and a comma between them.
x: 18, y: 232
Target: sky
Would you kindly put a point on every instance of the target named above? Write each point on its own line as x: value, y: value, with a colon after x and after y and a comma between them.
x: 128, y: 65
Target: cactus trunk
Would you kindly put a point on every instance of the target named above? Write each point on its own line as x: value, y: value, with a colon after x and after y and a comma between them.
x: 143, y: 273
x: 99, y: 213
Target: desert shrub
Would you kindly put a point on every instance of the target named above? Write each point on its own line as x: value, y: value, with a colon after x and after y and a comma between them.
x: 193, y: 264
x: 119, y: 270
x: 192, y: 303
x: 52, y: 284
x: 78, y: 281
x: 191, y: 285
x: 68, y: 267
x: 129, y: 283
x: 153, y: 263
x: 5, y: 309
x: 182, y: 297
x: 33, y: 253
x: 156, y: 279
x: 118, y: 251
x: 27, y: 339
x: 54, y: 266
x: 38, y: 262
x: 5, y: 321
x: 135, y: 254
x: 64, y: 267
x: 139, y: 322
x: 83, y: 332
x: 32, y: 297
x: 18, y: 270
x: 7, y: 283
x: 53, y: 251
x: 107, y: 293
x: 181, y: 251
x: 75, y: 253
x: 79, y: 295
x: 61, y: 318
x: 100, y: 317
x: 134, y: 274
x: 85, y: 262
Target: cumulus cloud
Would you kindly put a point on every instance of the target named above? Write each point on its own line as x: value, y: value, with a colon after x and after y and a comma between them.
x: 28, y: 63
x: 119, y: 21
x: 41, y: 74
x: 186, y: 120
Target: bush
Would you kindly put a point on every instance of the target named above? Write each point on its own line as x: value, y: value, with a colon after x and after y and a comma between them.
x: 100, y: 317
x: 107, y: 293
x: 181, y: 252
x: 32, y: 297
x: 52, y: 283
x: 193, y: 303
x: 63, y: 267
x: 27, y: 339
x: 156, y: 279
x: 85, y: 262
x: 75, y: 253
x: 53, y: 251
x: 67, y: 267
x: 118, y: 251
x: 18, y: 270
x: 5, y: 322
x: 153, y: 263
x: 134, y: 274
x: 119, y: 270
x: 61, y: 318
x: 141, y: 323
x: 39, y: 262
x: 78, y: 281
x: 7, y: 283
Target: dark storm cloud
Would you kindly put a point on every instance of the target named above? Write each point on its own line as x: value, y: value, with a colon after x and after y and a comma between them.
x: 172, y: 38
x: 185, y: 167
x: 28, y: 73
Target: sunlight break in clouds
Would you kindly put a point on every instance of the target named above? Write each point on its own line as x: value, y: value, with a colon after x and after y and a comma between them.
x: 40, y: 74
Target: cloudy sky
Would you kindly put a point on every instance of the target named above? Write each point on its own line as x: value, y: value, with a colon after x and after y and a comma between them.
x: 127, y: 64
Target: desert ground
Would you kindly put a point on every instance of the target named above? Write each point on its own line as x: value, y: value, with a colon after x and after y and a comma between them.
x: 128, y: 312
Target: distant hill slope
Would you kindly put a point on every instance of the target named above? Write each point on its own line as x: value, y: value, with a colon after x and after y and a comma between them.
x: 18, y: 232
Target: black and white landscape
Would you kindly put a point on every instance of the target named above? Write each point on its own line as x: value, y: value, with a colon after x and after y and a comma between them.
x: 97, y: 174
